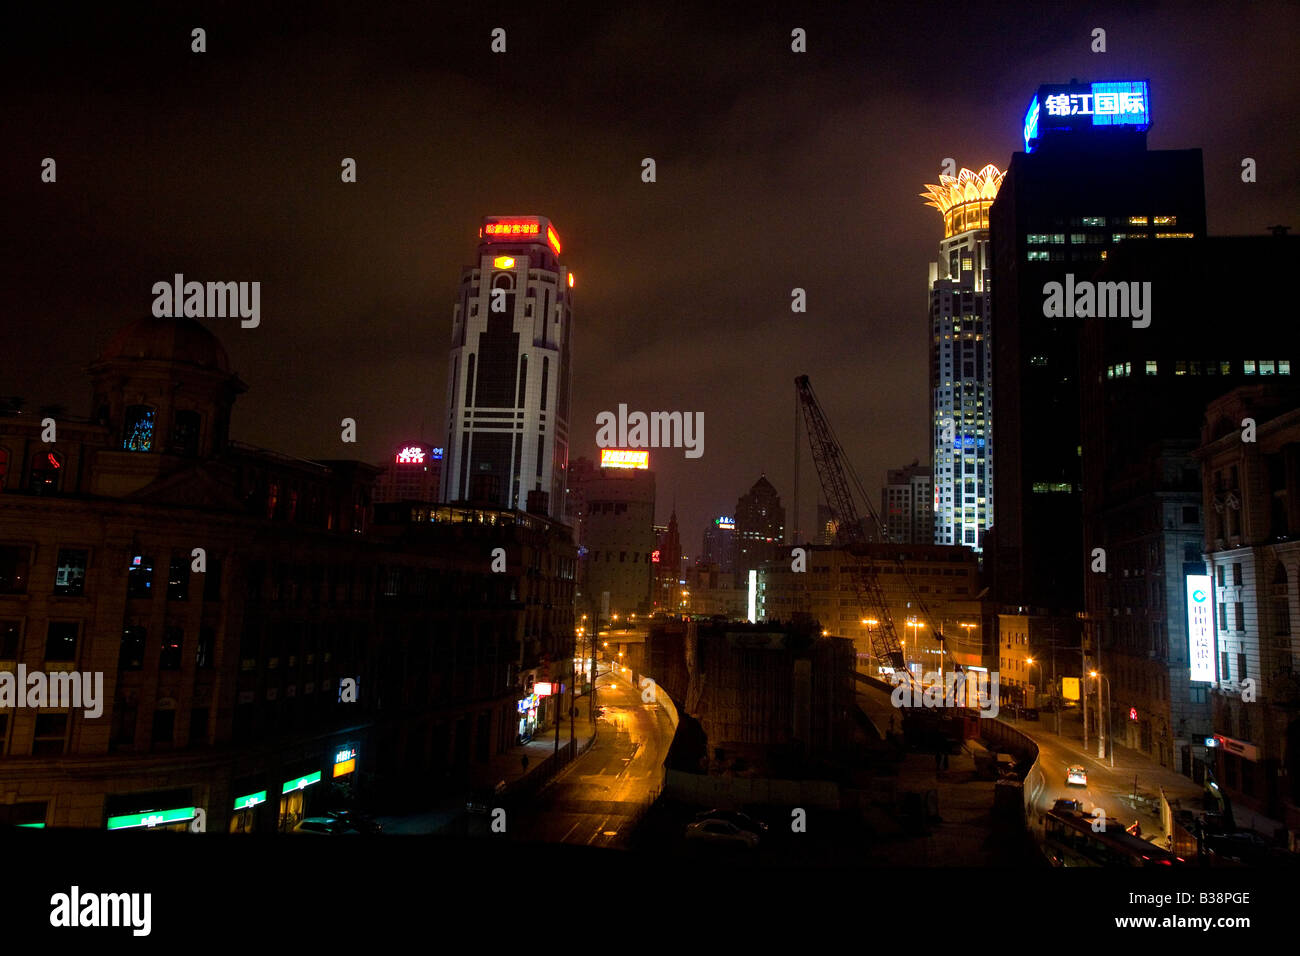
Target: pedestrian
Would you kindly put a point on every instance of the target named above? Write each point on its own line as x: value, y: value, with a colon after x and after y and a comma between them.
x: 524, y: 760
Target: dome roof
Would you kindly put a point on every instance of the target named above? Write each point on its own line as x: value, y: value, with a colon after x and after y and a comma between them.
x: 183, y: 341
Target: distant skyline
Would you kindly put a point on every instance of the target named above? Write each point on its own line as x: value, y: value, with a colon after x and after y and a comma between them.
x: 775, y: 171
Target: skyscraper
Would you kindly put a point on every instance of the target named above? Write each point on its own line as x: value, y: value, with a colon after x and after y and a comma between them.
x: 720, y: 544
x: 961, y: 359
x: 906, y: 505
x: 508, y: 385
x: 760, y: 526
x: 1087, y: 177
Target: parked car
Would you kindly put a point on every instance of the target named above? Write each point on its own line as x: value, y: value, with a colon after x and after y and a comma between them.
x: 1076, y: 776
x: 356, y: 821
x: 1065, y: 803
x: 742, y: 820
x: 720, y: 831
x: 322, y: 825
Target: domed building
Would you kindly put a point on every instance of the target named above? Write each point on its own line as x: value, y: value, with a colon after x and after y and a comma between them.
x: 250, y: 647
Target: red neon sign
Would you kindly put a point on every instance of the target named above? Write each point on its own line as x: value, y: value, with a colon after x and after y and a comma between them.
x: 654, y: 556
x: 512, y: 228
x: 410, y: 455
x: 553, y: 239
x: 1132, y: 713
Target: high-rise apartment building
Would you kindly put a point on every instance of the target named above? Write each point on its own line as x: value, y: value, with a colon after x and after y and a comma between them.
x: 907, y: 505
x: 1085, y: 182
x: 961, y: 359
x: 508, y: 384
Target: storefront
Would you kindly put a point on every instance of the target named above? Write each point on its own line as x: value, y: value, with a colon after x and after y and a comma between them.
x: 294, y: 800
x: 177, y: 820
x: 172, y: 810
x: 528, y: 715
x: 243, y: 819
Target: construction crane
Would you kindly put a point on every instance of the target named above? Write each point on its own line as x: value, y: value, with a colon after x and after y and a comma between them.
x: 835, y: 474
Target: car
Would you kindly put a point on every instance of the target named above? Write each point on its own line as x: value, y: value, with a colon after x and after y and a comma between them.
x: 356, y: 821
x: 1065, y: 803
x: 722, y: 832
x: 322, y: 825
x: 1076, y: 776
x: 742, y: 820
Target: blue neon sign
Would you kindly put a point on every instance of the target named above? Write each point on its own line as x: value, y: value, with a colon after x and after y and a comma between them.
x: 1064, y: 108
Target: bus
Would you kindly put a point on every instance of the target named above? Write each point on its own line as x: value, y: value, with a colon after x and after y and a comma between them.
x: 1070, y: 840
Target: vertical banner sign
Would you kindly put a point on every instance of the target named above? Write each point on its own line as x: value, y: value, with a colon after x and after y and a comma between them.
x: 1200, y: 627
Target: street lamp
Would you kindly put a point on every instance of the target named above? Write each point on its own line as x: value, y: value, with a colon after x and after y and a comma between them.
x: 1101, y: 749
x: 1033, y: 663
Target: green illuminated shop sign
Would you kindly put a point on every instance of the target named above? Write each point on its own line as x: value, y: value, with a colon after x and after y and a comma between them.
x: 301, y: 783
x: 34, y: 826
x: 151, y: 819
x: 250, y: 801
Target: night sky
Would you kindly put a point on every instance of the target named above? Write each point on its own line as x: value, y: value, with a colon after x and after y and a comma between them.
x: 775, y: 170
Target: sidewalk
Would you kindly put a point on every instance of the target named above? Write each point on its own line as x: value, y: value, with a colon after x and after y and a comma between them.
x: 506, y: 767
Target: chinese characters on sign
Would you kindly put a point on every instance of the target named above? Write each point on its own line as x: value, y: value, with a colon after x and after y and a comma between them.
x: 1200, y: 627
x: 1102, y: 104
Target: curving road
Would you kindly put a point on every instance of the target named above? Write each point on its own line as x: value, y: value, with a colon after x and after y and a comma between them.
x: 598, y: 799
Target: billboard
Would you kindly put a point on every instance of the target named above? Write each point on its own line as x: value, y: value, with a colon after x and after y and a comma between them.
x: 520, y: 229
x: 1065, y: 107
x: 1200, y: 627
x: 622, y: 458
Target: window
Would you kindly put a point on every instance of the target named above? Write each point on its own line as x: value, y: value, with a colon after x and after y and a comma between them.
x: 1151, y: 366
x: 10, y: 637
x: 4, y: 467
x: 1283, y: 368
x: 1220, y: 570
x: 51, y: 734
x: 1036, y: 255
x: 1236, y: 574
x: 1223, y: 615
x: 164, y: 726
x: 70, y: 575
x: 1241, y: 666
x: 13, y: 569
x: 1248, y: 367
x: 1238, y: 616
x: 185, y: 434
x: 178, y: 580
x: 137, y: 429
x: 212, y: 581
x: 170, y: 660
x: 131, y: 655
x: 198, y: 726
x: 61, y: 641
x: 203, y: 651
x: 1225, y: 672
x: 139, y: 577
x: 46, y: 470
x: 1190, y: 514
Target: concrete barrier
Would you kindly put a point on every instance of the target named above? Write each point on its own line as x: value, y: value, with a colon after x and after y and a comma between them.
x: 707, y: 789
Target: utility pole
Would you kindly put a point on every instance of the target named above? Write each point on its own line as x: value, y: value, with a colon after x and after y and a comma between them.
x: 1083, y: 680
x: 1055, y: 695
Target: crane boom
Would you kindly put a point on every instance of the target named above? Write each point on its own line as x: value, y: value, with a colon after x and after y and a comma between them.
x: 828, y: 457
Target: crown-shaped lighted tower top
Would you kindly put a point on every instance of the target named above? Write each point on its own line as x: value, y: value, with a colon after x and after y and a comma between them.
x: 964, y: 199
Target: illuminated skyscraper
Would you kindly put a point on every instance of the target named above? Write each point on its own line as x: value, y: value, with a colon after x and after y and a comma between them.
x: 508, y: 385
x: 961, y: 356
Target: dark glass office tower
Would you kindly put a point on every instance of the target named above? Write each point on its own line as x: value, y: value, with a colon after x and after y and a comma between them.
x: 1085, y: 183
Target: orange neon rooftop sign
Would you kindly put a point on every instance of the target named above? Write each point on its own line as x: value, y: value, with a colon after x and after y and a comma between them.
x: 520, y: 228
x: 619, y: 458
